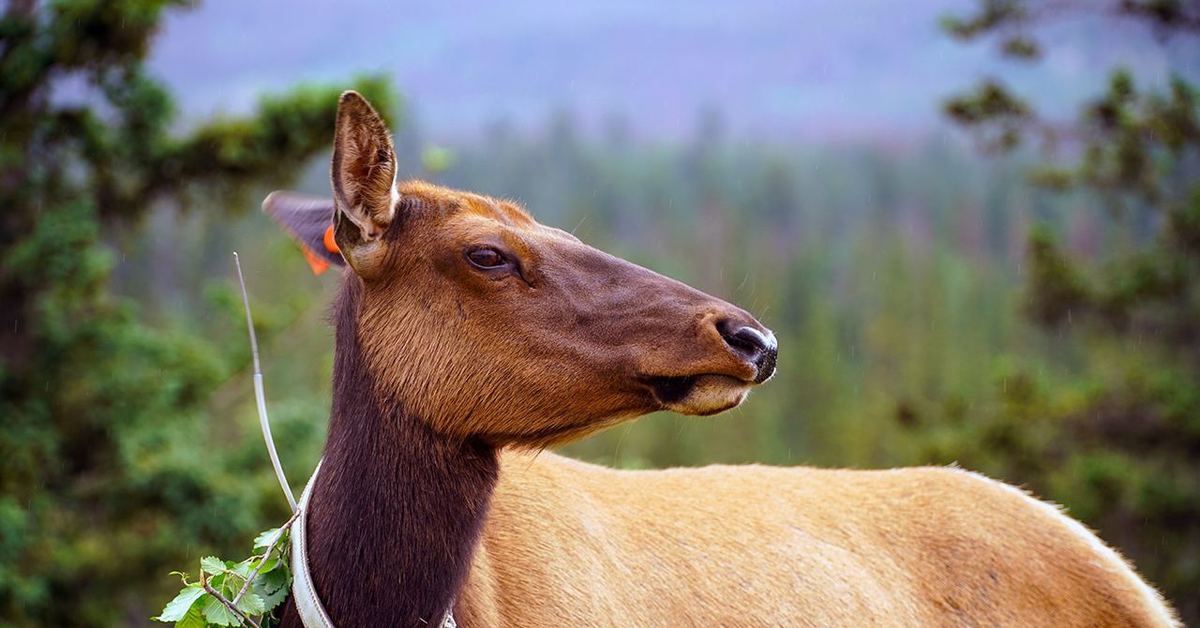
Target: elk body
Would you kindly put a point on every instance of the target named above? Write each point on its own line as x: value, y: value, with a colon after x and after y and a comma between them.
x: 468, y: 335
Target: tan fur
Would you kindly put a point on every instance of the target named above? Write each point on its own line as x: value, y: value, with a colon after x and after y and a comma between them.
x: 570, y: 340
x: 569, y: 544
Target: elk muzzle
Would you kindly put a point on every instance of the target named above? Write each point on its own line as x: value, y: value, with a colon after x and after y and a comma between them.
x: 732, y: 353
x: 758, y: 347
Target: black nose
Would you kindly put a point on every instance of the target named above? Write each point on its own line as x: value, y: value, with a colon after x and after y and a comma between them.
x: 758, y: 347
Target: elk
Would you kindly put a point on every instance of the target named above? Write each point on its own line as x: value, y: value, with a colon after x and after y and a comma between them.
x: 469, y: 338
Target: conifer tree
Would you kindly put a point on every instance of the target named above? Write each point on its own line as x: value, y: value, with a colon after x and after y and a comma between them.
x: 1119, y: 446
x: 106, y: 482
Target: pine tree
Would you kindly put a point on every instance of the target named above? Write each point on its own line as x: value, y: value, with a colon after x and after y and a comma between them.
x: 1117, y: 445
x: 106, y: 481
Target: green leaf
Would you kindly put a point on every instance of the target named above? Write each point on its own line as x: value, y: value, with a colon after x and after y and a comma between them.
x: 266, y: 538
x: 232, y: 584
x: 193, y: 619
x: 218, y: 581
x: 212, y: 565
x: 217, y: 613
x: 273, y: 579
x: 244, y: 568
x: 177, y: 608
x: 273, y: 586
x: 252, y: 604
x: 275, y: 598
x: 269, y: 564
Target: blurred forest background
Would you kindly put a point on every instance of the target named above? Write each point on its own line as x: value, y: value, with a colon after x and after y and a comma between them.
x: 1015, y: 289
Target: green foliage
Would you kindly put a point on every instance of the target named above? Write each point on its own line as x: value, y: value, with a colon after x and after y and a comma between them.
x: 991, y: 15
x: 1061, y: 291
x: 1117, y: 447
x: 235, y: 594
x: 992, y: 109
x: 1003, y: 17
x: 1021, y: 48
x: 109, y: 466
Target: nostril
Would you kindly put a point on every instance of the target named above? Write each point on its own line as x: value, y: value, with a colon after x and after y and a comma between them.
x: 755, y: 346
x: 746, y: 340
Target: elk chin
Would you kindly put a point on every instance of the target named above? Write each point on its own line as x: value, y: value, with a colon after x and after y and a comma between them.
x: 700, y: 395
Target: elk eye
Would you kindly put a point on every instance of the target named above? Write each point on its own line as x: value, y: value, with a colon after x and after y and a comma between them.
x: 487, y: 259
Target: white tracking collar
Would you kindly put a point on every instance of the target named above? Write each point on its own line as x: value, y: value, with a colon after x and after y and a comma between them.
x: 312, y: 613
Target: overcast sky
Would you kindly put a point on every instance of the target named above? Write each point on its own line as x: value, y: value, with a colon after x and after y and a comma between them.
x: 810, y: 69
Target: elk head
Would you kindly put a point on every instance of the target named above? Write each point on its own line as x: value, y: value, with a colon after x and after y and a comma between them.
x: 486, y: 324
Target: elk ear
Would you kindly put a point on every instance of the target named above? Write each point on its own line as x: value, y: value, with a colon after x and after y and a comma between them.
x: 309, y: 220
x: 364, y: 180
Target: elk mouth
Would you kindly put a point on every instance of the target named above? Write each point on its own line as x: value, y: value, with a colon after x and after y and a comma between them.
x: 700, y: 394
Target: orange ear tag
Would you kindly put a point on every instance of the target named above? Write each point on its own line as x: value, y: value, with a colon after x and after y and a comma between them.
x: 330, y: 243
x: 317, y: 264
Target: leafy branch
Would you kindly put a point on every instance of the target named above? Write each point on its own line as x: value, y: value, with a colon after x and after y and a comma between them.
x: 232, y: 606
x: 235, y: 594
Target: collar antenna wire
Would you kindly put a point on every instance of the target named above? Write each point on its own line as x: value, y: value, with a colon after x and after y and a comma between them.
x: 259, y: 395
x: 308, y: 604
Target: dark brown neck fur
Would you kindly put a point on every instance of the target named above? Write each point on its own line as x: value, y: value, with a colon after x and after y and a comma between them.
x: 397, y: 509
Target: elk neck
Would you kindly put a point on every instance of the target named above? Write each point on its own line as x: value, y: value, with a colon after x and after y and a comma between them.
x: 397, y: 509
